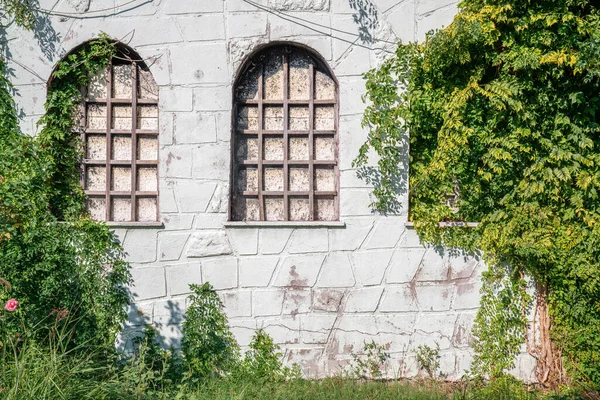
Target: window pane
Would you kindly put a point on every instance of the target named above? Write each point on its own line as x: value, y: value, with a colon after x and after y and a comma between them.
x: 324, y: 179
x: 97, y: 85
x: 299, y: 209
x: 97, y: 208
x: 147, y: 179
x: 299, y: 77
x: 121, y: 148
x: 247, y: 118
x: 274, y: 209
x: 96, y: 147
x: 298, y: 118
x: 247, y: 180
x: 324, y: 87
x: 122, y: 81
x: 147, y: 87
x: 324, y: 148
x: 324, y: 118
x: 273, y: 148
x: 96, y: 116
x: 121, y: 209
x: 247, y: 149
x: 121, y: 179
x: 273, y: 119
x: 299, y: 179
x: 273, y: 78
x: 147, y: 148
x: 147, y: 117
x: 273, y: 181
x: 325, y: 209
x: 246, y: 209
x: 95, y: 178
x: 298, y: 148
x: 121, y: 117
x: 146, y: 208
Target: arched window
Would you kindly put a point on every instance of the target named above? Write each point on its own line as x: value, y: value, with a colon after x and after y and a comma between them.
x: 285, y: 141
x: 120, y: 165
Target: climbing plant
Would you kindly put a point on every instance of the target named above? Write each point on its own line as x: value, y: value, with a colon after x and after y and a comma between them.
x: 501, y: 110
x: 57, y: 260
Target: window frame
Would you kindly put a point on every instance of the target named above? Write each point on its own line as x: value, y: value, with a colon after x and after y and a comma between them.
x: 124, y: 57
x: 316, y: 63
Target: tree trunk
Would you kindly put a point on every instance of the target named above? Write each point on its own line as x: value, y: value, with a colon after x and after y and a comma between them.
x: 549, y: 370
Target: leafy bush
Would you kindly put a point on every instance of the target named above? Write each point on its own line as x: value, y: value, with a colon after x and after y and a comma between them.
x: 428, y: 359
x: 370, y: 363
x: 208, y: 346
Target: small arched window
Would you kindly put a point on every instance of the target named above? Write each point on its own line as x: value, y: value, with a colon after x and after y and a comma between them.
x: 285, y: 138
x: 120, y: 135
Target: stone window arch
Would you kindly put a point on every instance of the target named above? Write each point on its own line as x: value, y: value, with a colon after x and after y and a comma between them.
x: 119, y: 170
x: 285, y: 138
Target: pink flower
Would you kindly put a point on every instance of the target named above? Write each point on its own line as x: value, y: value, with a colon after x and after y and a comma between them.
x: 11, y: 305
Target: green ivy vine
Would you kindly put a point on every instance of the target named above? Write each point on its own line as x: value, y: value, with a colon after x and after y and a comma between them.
x: 501, y: 110
x: 58, y: 261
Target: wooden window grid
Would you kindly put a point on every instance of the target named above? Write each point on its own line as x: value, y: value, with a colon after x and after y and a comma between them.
x: 143, y: 190
x: 313, y: 164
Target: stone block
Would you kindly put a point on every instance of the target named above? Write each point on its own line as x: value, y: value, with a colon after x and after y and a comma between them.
x: 213, y: 98
x: 157, y: 60
x: 199, y: 63
x: 299, y: 271
x: 171, y: 245
x: 176, y: 163
x: 220, y: 200
x: 148, y: 283
x: 297, y: 301
x: 316, y: 328
x: 194, y: 196
x: 442, y: 324
x: 433, y: 266
x: 273, y: 241
x: 429, y: 339
x: 461, y: 265
x: 327, y: 299
x: 237, y: 303
x: 402, y: 20
x: 308, y: 241
x: 282, y: 28
x: 193, y: 7
x: 386, y: 233
x: 202, y: 27
x: 410, y: 239
x: 257, y: 271
x: 179, y: 277
x: 351, y: 89
x: 351, y: 236
x: 140, y: 245
x: 435, y: 19
x: 245, y: 240
x: 169, y: 312
x: 211, y: 161
x: 208, y: 243
x: 268, y: 302
x: 435, y: 297
x: 165, y: 127
x: 355, y: 202
x: 221, y: 273
x: 462, y: 335
x: 243, y: 329
x: 370, y: 266
x: 247, y: 24
x: 336, y: 271
x: 396, y: 323
x: 364, y: 300
x: 175, y: 98
x: 210, y: 221
x: 400, y: 298
x: 175, y: 222
x: 169, y: 336
x: 467, y: 295
x: 167, y: 201
x: 139, y: 314
x: 283, y: 330
x: 194, y: 127
x: 405, y: 265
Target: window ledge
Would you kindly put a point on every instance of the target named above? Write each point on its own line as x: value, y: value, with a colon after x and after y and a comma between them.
x: 113, y: 224
x: 411, y: 225
x: 284, y: 224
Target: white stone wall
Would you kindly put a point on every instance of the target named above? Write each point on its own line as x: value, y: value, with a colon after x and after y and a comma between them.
x: 321, y: 292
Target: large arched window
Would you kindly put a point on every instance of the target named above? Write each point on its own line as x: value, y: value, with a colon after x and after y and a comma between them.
x: 120, y: 165
x: 285, y: 141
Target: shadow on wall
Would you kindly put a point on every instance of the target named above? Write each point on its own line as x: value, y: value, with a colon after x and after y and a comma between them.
x: 366, y: 17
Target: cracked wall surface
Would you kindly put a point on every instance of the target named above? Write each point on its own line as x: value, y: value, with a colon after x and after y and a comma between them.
x: 320, y: 291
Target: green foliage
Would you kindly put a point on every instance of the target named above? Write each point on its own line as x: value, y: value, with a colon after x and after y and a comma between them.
x: 503, y: 109
x: 53, y: 255
x: 209, y: 348
x: 263, y: 361
x: 428, y: 359
x: 370, y: 362
x: 21, y: 11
